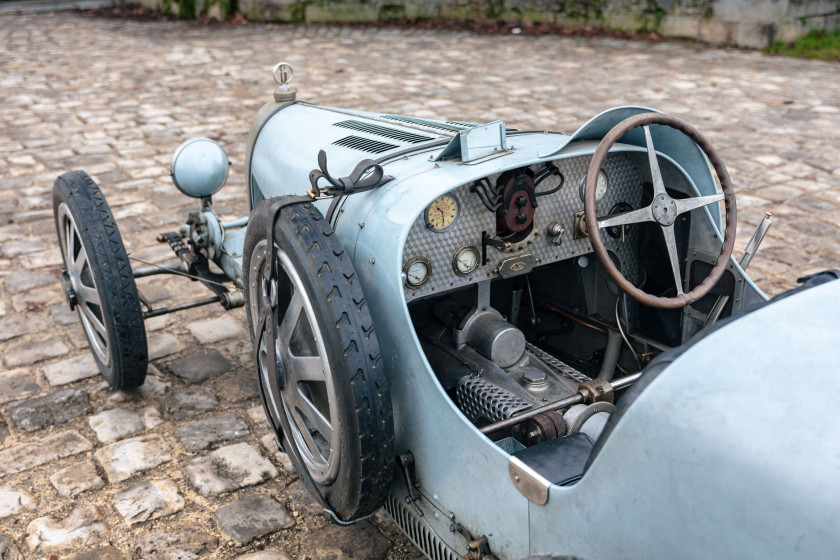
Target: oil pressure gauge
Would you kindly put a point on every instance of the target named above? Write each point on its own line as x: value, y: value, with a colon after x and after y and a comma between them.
x: 465, y: 260
x: 600, y: 186
x: 417, y: 271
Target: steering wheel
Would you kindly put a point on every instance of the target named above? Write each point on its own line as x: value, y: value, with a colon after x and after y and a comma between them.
x: 663, y: 210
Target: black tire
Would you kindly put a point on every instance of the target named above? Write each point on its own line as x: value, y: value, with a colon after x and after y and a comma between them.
x: 108, y: 304
x: 354, y: 398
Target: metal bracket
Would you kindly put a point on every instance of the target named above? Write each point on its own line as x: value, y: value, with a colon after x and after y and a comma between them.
x: 479, y: 549
x: 579, y: 231
x: 405, y: 462
x: 481, y: 308
x: 529, y: 482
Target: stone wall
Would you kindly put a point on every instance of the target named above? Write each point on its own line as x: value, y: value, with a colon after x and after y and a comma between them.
x: 744, y: 23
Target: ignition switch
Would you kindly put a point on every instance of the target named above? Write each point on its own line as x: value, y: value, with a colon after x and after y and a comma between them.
x: 556, y: 231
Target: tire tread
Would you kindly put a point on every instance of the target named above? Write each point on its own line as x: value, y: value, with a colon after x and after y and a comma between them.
x: 114, y: 278
x: 355, y: 329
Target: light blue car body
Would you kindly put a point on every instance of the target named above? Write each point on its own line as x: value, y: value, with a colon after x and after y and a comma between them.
x: 733, y: 451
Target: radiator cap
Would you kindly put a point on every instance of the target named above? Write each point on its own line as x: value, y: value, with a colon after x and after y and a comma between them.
x: 283, y: 75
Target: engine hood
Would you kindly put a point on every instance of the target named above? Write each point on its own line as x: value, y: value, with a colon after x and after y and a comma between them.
x: 286, y: 138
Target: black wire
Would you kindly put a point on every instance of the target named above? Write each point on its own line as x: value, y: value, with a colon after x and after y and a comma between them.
x: 481, y: 187
x: 544, y: 174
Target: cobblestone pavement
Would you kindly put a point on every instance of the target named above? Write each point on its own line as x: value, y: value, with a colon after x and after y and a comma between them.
x: 150, y: 475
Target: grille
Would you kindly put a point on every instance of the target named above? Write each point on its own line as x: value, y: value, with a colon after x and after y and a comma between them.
x: 364, y: 144
x: 418, y: 532
x: 481, y: 399
x: 401, y: 135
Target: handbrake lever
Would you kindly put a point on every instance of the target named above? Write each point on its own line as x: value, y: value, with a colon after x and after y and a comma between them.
x: 749, y: 253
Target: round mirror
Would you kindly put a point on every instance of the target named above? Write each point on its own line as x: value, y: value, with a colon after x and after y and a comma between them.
x: 199, y: 167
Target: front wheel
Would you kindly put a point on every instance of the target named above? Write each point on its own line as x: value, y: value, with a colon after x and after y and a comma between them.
x: 98, y: 280
x: 321, y: 374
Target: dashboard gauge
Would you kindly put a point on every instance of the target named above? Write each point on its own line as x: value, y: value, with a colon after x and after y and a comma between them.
x: 465, y: 260
x: 600, y: 186
x: 417, y: 271
x: 442, y: 213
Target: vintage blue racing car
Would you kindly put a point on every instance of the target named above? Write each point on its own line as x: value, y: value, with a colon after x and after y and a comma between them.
x: 516, y: 342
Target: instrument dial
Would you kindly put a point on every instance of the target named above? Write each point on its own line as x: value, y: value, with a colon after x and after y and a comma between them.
x: 600, y: 186
x: 465, y: 260
x: 417, y: 271
x: 442, y: 213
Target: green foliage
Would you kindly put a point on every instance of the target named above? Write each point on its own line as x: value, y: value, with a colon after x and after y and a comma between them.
x: 494, y: 9
x: 817, y: 44
x: 582, y: 9
x: 392, y: 12
x: 183, y: 9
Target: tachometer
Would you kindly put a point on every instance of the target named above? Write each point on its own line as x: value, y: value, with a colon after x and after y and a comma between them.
x: 442, y: 213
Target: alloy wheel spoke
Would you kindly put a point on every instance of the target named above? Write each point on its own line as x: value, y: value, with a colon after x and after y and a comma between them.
x: 88, y: 295
x: 306, y: 368
x: 655, y: 173
x: 689, y: 204
x: 69, y: 236
x: 626, y: 218
x: 80, y: 261
x: 266, y: 371
x: 290, y: 320
x: 671, y: 243
x: 318, y: 421
x: 94, y: 321
x: 306, y: 435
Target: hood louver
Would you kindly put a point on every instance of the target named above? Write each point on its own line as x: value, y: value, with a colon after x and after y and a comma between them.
x: 378, y: 130
x: 364, y: 144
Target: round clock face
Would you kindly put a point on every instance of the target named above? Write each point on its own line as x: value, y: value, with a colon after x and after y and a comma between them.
x: 465, y: 260
x: 417, y: 272
x: 442, y: 213
x: 600, y: 186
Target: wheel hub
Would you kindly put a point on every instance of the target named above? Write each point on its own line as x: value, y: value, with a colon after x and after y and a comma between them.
x: 664, y: 210
x: 69, y: 292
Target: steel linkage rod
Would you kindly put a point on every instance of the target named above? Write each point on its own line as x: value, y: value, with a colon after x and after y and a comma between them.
x: 181, y: 307
x: 577, y: 398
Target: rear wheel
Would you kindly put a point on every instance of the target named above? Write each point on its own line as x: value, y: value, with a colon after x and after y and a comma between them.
x: 98, y: 280
x: 327, y: 398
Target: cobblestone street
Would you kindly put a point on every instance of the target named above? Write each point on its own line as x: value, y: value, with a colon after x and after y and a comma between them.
x: 186, y: 468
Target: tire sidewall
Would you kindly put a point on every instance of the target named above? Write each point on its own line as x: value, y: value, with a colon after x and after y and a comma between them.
x: 339, y: 495
x: 125, y: 371
x: 349, y: 469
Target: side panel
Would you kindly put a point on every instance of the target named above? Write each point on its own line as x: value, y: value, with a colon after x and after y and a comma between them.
x: 731, y: 452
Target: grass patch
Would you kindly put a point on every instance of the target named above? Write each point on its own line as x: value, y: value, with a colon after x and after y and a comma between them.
x: 817, y: 44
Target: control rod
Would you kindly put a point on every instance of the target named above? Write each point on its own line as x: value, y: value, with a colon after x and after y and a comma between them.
x: 584, y: 396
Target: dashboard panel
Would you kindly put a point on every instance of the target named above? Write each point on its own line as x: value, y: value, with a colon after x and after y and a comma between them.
x: 435, y: 245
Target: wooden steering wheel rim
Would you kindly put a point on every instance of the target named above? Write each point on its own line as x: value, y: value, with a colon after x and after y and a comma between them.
x: 681, y: 300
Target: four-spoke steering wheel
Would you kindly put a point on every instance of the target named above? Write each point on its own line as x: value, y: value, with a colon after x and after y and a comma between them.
x: 663, y: 210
